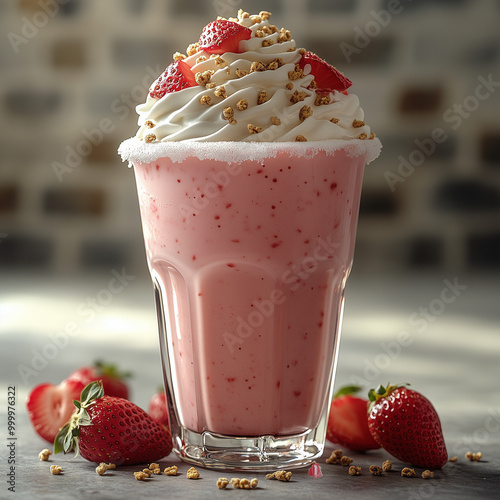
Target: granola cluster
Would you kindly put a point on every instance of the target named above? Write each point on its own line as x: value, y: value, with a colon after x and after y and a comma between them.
x: 103, y: 467
x: 474, y: 457
x: 56, y: 470
x: 44, y: 455
x: 280, y: 475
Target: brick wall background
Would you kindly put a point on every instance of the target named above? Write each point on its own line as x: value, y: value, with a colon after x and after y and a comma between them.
x: 73, y: 70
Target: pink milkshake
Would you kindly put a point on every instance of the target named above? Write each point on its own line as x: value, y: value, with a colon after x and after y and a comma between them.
x: 249, y: 245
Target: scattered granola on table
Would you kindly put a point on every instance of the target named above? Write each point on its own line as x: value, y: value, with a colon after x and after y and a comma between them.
x: 280, y: 475
x: 474, y: 457
x: 427, y: 474
x: 103, y: 467
x: 354, y: 471
x: 222, y: 482
x: 407, y: 472
x: 171, y: 471
x: 376, y: 470
x: 56, y: 469
x: 386, y: 465
x: 192, y: 473
x: 44, y: 455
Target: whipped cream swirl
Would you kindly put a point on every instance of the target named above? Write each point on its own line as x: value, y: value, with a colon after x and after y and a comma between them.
x: 288, y: 110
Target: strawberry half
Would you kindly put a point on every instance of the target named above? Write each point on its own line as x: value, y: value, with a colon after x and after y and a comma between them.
x: 50, y: 406
x: 158, y: 408
x: 177, y: 76
x: 109, y: 429
x: 348, y: 423
x: 223, y: 36
x: 326, y: 76
x: 113, y: 380
x: 407, y: 425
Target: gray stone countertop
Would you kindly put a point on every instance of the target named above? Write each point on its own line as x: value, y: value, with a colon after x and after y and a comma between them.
x: 441, y: 333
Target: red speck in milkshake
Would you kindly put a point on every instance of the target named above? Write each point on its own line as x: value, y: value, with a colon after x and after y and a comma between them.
x: 333, y: 186
x: 229, y: 205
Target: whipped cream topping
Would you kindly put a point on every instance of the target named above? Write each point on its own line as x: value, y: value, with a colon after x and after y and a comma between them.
x: 241, y: 103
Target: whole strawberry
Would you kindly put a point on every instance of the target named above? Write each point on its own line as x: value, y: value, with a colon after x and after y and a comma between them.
x: 406, y: 425
x: 113, y: 380
x: 157, y: 408
x: 110, y: 429
x: 347, y: 422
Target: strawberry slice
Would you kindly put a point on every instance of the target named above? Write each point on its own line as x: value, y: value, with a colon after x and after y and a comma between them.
x: 223, y: 36
x: 177, y: 76
x: 348, y: 421
x: 326, y: 76
x: 50, y: 406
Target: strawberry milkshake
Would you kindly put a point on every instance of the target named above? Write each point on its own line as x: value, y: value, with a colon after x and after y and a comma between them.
x: 249, y: 162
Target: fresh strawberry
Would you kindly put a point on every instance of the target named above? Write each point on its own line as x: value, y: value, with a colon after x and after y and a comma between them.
x: 223, y: 36
x: 50, y: 406
x: 109, y: 429
x: 177, y: 76
x: 113, y: 380
x: 158, y: 408
x: 406, y: 424
x: 327, y: 77
x: 347, y: 423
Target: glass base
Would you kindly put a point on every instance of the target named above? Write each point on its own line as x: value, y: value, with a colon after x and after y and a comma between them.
x: 262, y: 453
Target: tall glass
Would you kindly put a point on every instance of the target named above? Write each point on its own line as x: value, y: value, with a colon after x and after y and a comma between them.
x: 249, y: 260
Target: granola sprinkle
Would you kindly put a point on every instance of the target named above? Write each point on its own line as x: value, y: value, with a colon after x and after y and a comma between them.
x: 363, y: 136
x: 192, y: 49
x: 202, y: 78
x: 267, y: 42
x: 354, y: 471
x: 300, y: 138
x: 296, y: 74
x: 201, y: 59
x: 358, y: 123
x: 334, y: 120
x: 298, y: 96
x: 242, y: 104
x: 305, y: 112
x: 262, y: 97
x: 205, y: 99
x: 257, y: 66
x: 171, y: 471
x: 179, y: 56
x: 44, y: 455
x: 149, y: 124
x: 222, y: 482
x: 407, y: 472
x: 192, y: 473
x: 275, y: 120
x: 220, y: 92
x: 253, y: 129
x: 322, y: 99
x: 427, y: 474
x: 375, y: 470
x: 386, y: 465
x: 56, y: 470
x: 265, y: 15
x: 243, y: 15
x: 140, y: 476
x: 240, y: 73
x: 275, y: 64
x: 289, y: 85
x: 284, y: 35
x: 150, y: 138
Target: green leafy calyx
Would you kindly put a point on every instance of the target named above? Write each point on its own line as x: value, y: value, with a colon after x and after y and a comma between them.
x: 347, y: 390
x: 67, y: 438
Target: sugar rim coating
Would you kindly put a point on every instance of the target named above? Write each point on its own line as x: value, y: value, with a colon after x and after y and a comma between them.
x: 134, y: 150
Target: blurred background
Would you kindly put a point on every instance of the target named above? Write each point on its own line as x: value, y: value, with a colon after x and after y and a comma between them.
x: 72, y: 71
